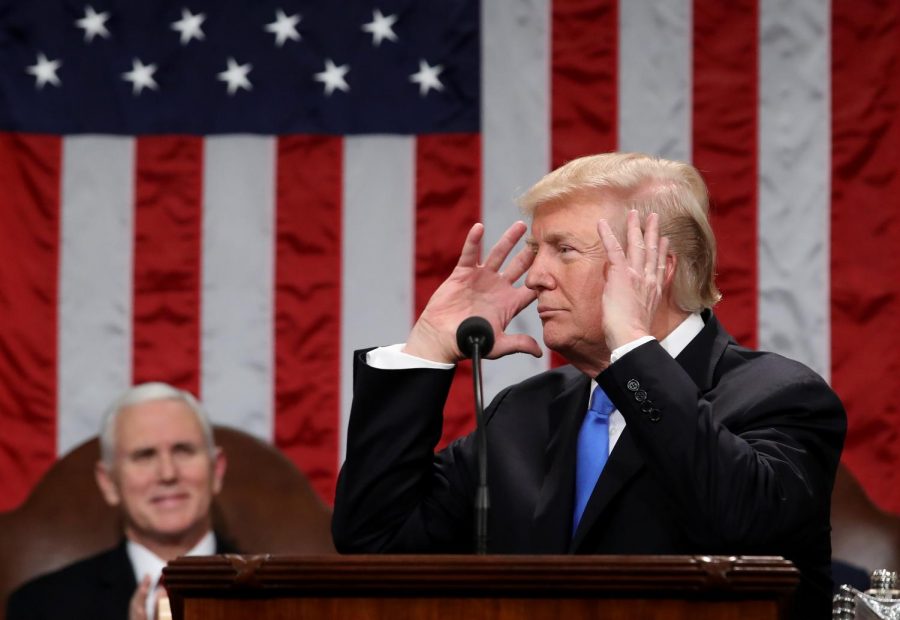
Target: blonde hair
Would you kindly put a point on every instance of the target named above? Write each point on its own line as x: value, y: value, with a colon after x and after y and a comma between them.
x: 672, y: 189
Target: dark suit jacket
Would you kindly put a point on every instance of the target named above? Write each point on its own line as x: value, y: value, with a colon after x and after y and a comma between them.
x: 97, y: 588
x: 726, y: 451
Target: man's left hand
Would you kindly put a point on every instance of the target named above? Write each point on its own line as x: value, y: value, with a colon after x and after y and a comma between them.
x: 634, y: 279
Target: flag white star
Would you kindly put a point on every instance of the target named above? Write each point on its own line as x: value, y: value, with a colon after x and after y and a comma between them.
x: 140, y: 76
x: 427, y: 78
x: 189, y: 26
x: 236, y: 76
x: 381, y: 27
x: 44, y: 71
x: 333, y: 77
x: 284, y: 27
x: 93, y: 23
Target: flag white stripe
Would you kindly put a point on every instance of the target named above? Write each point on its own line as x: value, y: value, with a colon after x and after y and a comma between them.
x: 655, y: 78
x: 515, y: 91
x: 377, y: 281
x: 237, y: 332
x: 95, y: 282
x: 794, y: 181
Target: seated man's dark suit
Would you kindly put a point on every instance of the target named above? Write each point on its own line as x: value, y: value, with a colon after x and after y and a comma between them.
x: 726, y: 451
x: 97, y: 588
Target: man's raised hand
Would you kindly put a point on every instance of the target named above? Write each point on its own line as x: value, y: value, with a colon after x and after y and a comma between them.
x: 635, y: 278
x: 477, y: 289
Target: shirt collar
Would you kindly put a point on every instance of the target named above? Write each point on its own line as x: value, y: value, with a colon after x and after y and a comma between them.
x: 145, y: 562
x: 681, y: 336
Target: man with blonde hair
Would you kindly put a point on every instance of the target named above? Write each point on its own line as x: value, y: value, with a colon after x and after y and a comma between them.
x: 661, y: 436
x: 161, y: 468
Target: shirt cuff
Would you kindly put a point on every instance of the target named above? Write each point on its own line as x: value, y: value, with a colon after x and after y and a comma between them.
x: 393, y: 358
x: 618, y: 352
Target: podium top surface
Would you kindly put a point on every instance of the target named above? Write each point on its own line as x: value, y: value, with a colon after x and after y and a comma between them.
x: 545, y: 575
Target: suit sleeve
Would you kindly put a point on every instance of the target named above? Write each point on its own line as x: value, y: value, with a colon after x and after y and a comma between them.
x: 751, y: 461
x: 393, y: 493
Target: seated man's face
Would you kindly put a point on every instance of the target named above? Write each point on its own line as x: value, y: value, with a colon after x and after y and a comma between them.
x: 163, y: 475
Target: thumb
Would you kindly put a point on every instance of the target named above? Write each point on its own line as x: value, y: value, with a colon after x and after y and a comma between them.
x: 515, y: 343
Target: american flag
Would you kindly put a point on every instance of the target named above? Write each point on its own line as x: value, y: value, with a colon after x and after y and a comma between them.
x: 232, y: 196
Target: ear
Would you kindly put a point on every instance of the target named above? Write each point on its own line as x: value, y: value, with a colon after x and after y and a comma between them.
x: 671, y: 263
x: 220, y: 464
x: 107, y: 483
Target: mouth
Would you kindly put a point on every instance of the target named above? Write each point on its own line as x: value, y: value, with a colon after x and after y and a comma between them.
x: 545, y: 312
x: 169, y: 500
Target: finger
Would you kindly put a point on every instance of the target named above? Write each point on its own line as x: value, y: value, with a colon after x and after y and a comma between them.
x: 472, y: 247
x: 138, y: 607
x: 524, y: 298
x: 519, y: 265
x: 143, y: 589
x: 662, y: 262
x: 614, y: 252
x: 504, y: 246
x: 635, y: 251
x: 651, y: 245
x: 515, y: 343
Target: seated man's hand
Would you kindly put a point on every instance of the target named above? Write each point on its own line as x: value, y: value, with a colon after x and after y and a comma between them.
x: 477, y: 289
x: 137, y: 609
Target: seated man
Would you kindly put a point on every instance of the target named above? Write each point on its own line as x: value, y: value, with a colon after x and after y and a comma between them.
x: 159, y: 465
x: 691, y: 443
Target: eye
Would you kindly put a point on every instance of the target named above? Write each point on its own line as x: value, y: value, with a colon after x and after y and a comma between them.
x: 185, y: 450
x: 565, y: 249
x: 143, y: 456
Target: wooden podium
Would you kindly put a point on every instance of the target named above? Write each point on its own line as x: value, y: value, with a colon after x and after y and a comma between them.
x: 397, y: 587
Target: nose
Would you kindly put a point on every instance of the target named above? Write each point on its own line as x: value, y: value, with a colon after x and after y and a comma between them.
x: 167, y: 469
x: 539, y: 277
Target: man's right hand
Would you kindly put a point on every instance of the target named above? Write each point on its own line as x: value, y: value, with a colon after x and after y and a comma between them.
x: 477, y: 289
x: 137, y: 608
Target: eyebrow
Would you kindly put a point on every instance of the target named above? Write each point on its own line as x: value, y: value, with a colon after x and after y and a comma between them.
x: 554, y: 237
x: 139, y: 452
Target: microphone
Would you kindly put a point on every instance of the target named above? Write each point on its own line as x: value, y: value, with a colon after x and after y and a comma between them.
x: 475, y: 331
x: 475, y: 338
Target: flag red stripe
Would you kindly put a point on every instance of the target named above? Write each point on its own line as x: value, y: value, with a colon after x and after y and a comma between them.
x: 584, y: 74
x: 168, y: 233
x: 725, y: 121
x: 448, y: 186
x: 584, y: 78
x: 865, y: 235
x: 29, y: 259
x: 307, y: 305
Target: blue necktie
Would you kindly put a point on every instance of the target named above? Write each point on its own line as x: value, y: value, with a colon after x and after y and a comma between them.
x: 593, y: 449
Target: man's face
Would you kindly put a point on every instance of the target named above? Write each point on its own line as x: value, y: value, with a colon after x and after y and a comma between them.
x: 568, y: 273
x: 163, y: 476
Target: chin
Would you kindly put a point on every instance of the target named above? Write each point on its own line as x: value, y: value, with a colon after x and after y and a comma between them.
x: 556, y: 342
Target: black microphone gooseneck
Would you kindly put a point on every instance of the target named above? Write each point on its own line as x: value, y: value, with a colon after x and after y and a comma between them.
x: 475, y: 339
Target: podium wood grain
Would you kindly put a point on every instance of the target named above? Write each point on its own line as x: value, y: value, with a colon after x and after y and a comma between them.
x: 488, y: 587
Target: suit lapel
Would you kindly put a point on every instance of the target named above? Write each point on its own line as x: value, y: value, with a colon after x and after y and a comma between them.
x: 117, y: 583
x: 624, y: 462
x: 553, y: 512
x: 699, y: 359
x: 701, y: 356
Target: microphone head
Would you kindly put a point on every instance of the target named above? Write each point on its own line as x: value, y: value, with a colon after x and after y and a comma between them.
x: 475, y: 329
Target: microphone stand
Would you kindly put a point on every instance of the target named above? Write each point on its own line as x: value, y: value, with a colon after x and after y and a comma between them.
x: 482, y: 499
x: 475, y: 338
